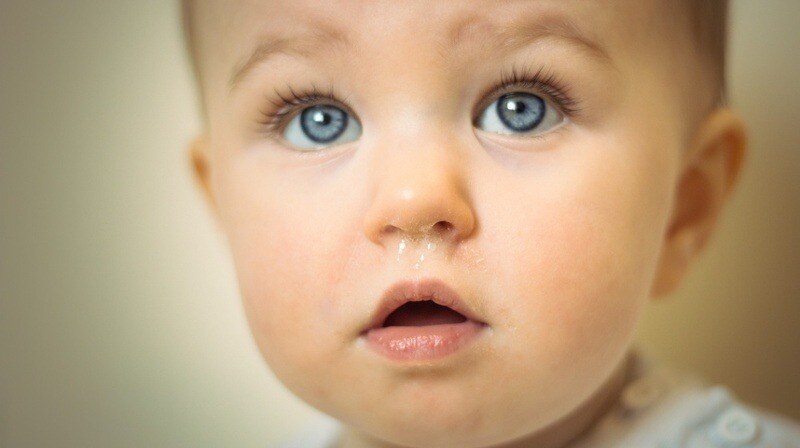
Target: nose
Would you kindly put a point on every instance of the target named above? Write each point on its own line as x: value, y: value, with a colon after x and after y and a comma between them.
x: 419, y: 190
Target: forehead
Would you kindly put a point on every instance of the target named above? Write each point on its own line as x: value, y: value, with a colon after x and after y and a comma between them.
x: 381, y: 16
x: 244, y: 32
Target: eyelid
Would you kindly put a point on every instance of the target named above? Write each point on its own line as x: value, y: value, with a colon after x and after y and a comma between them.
x: 542, y: 83
x: 289, y: 106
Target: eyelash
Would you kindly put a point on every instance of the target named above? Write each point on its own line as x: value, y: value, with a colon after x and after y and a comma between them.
x: 539, y: 81
x: 286, y: 105
x: 547, y: 83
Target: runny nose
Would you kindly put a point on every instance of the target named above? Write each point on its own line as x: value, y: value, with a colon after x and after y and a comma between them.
x: 420, y: 195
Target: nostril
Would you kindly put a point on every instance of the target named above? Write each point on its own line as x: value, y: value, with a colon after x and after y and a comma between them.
x: 443, y: 227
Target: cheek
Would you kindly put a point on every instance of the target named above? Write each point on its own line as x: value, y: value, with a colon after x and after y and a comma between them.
x: 578, y: 286
x: 581, y: 256
x: 287, y: 250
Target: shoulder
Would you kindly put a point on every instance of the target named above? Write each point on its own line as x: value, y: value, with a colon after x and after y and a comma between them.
x: 666, y: 408
x: 322, y: 432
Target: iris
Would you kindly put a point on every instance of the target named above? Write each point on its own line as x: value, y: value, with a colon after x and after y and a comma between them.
x: 323, y: 123
x: 520, y: 111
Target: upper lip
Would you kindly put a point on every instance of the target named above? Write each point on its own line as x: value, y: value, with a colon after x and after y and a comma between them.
x: 406, y: 291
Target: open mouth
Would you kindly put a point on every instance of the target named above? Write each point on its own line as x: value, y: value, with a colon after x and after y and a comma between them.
x: 421, y: 321
x: 421, y: 314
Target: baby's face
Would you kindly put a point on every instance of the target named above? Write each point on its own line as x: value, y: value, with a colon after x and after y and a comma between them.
x: 523, y: 153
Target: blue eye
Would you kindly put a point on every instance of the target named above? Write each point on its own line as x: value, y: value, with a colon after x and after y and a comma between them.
x: 320, y: 126
x: 519, y: 113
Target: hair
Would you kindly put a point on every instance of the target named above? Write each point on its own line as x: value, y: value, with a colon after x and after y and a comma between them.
x: 708, y: 20
x: 708, y: 23
x: 188, y: 23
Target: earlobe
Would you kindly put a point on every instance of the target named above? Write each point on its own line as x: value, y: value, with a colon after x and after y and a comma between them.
x: 710, y: 170
x: 198, y: 153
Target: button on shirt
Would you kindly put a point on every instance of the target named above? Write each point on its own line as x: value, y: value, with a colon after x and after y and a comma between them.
x: 659, y: 408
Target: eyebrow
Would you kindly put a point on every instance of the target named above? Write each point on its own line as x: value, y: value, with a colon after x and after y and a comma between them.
x: 467, y: 30
x: 524, y: 32
x: 302, y: 45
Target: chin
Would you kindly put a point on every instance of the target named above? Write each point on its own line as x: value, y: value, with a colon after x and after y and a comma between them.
x: 443, y: 421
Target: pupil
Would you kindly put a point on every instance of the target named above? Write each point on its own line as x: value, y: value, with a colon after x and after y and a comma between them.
x: 323, y: 123
x: 520, y: 111
x: 321, y: 117
x: 516, y: 106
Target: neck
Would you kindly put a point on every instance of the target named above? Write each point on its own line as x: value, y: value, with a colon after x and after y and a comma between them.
x: 558, y: 435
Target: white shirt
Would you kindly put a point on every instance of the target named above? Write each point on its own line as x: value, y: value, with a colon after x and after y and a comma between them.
x: 659, y: 408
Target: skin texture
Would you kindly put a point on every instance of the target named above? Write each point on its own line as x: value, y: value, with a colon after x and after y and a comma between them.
x: 558, y: 241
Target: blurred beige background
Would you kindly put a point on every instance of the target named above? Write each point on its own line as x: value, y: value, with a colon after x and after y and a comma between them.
x: 120, y: 323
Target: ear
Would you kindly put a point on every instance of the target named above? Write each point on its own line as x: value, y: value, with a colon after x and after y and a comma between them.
x: 709, y: 172
x: 199, y: 162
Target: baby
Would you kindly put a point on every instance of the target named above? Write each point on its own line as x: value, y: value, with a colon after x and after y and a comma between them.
x: 447, y: 217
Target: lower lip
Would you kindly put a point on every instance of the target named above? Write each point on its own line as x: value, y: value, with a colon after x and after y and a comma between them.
x: 424, y: 343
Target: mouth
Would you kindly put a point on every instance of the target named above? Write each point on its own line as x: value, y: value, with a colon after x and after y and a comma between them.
x: 422, y: 314
x: 421, y: 321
